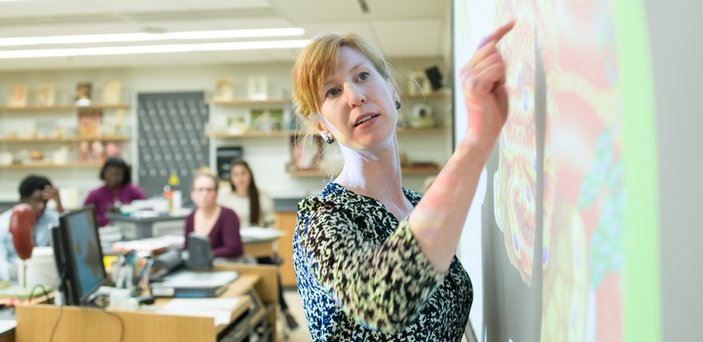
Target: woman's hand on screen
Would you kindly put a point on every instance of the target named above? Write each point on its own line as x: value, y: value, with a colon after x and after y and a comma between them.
x: 483, y: 83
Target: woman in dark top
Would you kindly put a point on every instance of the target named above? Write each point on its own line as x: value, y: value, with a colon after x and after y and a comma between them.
x: 219, y: 224
x: 373, y: 261
x: 117, y: 190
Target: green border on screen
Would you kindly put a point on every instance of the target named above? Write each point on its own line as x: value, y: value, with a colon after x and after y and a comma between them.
x: 641, y: 288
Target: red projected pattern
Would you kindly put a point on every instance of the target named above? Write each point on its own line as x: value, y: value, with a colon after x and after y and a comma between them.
x: 582, y: 180
x: 514, y: 183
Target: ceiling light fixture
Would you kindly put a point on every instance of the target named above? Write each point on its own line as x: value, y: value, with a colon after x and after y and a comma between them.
x: 151, y: 36
x: 149, y: 49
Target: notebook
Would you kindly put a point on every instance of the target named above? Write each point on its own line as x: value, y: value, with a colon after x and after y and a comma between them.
x: 189, y: 284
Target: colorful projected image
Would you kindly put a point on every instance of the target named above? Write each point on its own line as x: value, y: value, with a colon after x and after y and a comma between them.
x: 555, y: 186
x: 583, y: 165
x: 514, y: 183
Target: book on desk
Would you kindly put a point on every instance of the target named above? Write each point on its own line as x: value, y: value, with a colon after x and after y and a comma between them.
x: 190, y: 284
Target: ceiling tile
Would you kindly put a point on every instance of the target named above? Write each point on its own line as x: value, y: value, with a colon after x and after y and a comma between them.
x: 411, y: 38
x: 400, y: 28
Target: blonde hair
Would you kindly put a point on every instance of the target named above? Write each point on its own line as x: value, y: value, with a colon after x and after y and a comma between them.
x: 205, y: 171
x: 321, y: 57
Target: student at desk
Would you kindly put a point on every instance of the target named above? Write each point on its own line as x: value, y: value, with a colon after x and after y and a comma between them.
x: 117, y: 190
x: 36, y: 191
x: 254, y: 207
x: 218, y: 223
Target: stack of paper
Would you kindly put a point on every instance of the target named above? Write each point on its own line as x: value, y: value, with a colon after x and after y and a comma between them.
x: 220, y: 309
x: 251, y: 234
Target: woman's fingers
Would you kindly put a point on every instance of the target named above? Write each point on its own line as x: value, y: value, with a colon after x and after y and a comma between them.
x: 498, y: 34
x: 489, y: 44
x: 488, y: 61
x: 485, y: 74
x: 481, y: 54
x: 485, y: 80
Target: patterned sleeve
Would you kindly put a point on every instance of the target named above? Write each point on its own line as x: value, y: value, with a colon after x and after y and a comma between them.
x: 385, y: 285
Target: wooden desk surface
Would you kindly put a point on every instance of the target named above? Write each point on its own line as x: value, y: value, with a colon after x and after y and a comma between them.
x: 36, y: 322
x: 92, y: 324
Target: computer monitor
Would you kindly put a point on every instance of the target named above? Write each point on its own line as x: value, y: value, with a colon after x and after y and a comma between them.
x: 78, y: 255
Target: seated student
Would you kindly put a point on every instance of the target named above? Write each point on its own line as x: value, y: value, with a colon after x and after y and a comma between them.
x: 35, y: 191
x: 254, y: 207
x: 220, y: 224
x: 117, y: 190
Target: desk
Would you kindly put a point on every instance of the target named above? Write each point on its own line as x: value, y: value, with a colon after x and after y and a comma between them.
x: 35, y: 322
x: 255, y: 247
x: 260, y: 242
x: 144, y: 227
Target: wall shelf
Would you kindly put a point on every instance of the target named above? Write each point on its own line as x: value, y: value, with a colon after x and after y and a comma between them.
x: 249, y: 102
x: 252, y: 134
x: 47, y: 165
x: 35, y: 108
x: 406, y: 130
x: 287, y: 133
x: 62, y: 139
x: 433, y: 95
x: 417, y: 170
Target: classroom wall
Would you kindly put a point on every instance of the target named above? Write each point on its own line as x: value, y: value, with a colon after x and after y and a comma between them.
x: 268, y: 157
x: 675, y: 31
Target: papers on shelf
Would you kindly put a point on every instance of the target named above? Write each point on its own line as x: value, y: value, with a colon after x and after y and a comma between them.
x: 250, y: 234
x: 189, y: 279
x: 189, y: 284
x: 220, y: 308
x: 7, y: 325
x: 153, y: 245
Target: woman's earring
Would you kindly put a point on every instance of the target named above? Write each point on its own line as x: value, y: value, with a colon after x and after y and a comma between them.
x: 327, y: 137
x: 397, y: 104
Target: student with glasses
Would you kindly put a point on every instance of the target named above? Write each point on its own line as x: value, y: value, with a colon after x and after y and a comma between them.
x: 219, y: 224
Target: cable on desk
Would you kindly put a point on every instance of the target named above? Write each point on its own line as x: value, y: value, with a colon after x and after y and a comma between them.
x: 113, y: 315
x: 56, y: 324
x: 44, y: 290
x: 62, y: 289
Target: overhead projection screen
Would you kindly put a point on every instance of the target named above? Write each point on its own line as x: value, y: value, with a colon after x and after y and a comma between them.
x: 560, y: 236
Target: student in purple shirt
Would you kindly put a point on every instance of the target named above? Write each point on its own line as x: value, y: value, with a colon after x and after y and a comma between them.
x: 118, y: 189
x: 219, y: 224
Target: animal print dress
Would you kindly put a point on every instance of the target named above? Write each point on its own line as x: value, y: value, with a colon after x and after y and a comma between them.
x: 362, y: 276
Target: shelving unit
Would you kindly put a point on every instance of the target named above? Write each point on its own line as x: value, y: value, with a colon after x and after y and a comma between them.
x: 47, y: 140
x: 288, y: 133
x: 47, y: 165
x: 221, y: 134
x: 13, y: 140
x: 62, y: 139
x: 252, y: 134
x: 405, y: 171
x: 65, y: 107
x: 232, y: 124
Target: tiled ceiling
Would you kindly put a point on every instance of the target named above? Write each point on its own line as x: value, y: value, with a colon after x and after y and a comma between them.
x: 401, y: 28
